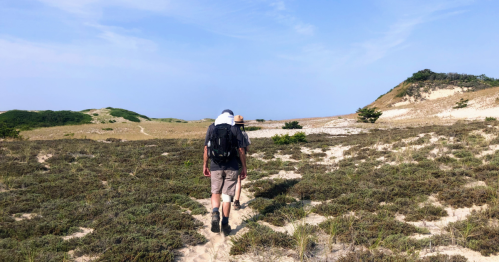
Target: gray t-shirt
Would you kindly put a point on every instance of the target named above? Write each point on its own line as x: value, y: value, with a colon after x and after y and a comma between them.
x: 239, y: 140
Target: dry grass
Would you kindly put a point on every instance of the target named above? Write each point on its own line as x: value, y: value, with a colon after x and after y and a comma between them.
x: 126, y: 131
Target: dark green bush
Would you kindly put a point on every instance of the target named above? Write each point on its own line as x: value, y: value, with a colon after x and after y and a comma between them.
x: 95, y: 114
x: 25, y: 120
x: 107, y: 129
x: 126, y: 114
x: 252, y: 128
x: 8, y: 132
x: 368, y: 115
x: 427, y: 74
x: 260, y: 120
x: 287, y: 139
x: 292, y: 125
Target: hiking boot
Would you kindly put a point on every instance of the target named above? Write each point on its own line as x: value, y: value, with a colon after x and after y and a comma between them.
x: 215, y: 222
x: 226, y: 229
x: 237, y: 205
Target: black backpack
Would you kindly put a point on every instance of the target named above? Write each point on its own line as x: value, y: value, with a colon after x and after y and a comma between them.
x: 221, y: 144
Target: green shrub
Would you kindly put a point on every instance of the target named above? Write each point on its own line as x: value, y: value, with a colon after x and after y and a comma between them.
x: 252, y: 128
x: 461, y: 103
x: 107, y: 129
x: 126, y: 114
x: 287, y: 139
x: 260, y: 237
x: 25, y: 120
x: 427, y: 74
x: 260, y: 120
x: 368, y: 115
x: 95, y: 114
x: 112, y: 121
x: 490, y: 119
x: 292, y: 125
x: 8, y: 132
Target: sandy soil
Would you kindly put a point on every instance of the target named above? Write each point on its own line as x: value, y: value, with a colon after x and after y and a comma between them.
x: 307, y: 131
x: 394, y: 113
x: 85, y: 231
x: 218, y: 246
x: 26, y: 216
x: 471, y: 255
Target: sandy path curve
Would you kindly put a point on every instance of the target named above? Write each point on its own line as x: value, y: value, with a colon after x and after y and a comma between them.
x: 218, y: 246
x: 143, y: 132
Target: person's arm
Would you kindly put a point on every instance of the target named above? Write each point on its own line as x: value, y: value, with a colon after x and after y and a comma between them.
x: 206, y: 170
x: 242, y: 156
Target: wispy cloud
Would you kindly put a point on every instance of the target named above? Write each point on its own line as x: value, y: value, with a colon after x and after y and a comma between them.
x: 398, y: 33
x: 93, y: 7
x: 278, y: 5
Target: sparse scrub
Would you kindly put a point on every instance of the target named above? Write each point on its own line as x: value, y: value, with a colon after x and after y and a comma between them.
x: 461, y: 103
x: 260, y: 120
x: 260, y: 237
x: 292, y: 125
x: 144, y: 209
x: 368, y: 115
x: 427, y: 213
x: 490, y: 119
x: 476, y: 233
x: 107, y: 129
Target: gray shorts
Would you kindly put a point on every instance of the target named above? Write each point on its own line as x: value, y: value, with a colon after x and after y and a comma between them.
x: 224, y: 182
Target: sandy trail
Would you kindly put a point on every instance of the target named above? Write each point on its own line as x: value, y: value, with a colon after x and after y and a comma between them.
x: 218, y: 246
x: 143, y: 132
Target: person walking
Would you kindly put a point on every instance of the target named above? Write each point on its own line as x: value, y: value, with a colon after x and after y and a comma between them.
x: 239, y: 121
x: 222, y: 143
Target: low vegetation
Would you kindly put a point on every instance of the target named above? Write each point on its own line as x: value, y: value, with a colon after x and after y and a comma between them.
x: 260, y: 120
x: 26, y: 120
x: 126, y: 114
x: 490, y: 119
x: 140, y: 201
x: 137, y: 200
x: 461, y: 103
x: 292, y: 125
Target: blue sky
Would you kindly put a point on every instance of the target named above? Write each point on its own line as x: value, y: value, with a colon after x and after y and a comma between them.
x: 272, y: 59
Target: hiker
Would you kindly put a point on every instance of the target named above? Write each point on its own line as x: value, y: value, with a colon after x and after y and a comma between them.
x: 239, y: 121
x: 223, y: 141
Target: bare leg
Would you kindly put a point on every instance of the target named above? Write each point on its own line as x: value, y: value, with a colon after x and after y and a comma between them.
x: 215, y: 200
x: 238, y: 188
x: 226, y: 209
